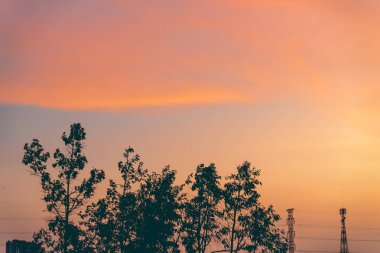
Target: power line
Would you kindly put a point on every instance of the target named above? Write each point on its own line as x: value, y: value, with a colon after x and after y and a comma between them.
x: 328, y: 212
x: 336, y: 227
x: 330, y: 227
x: 15, y: 233
x: 21, y: 218
x: 321, y: 251
x: 317, y: 251
x: 363, y: 228
x: 336, y: 239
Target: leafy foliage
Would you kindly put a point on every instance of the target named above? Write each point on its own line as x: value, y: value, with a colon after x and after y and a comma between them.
x: 201, y: 212
x: 146, y: 211
x: 158, y: 205
x: 248, y: 225
x: 139, y: 215
x: 111, y: 222
x: 63, y: 195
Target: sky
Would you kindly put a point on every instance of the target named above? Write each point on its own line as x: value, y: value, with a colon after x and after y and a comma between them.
x: 291, y: 86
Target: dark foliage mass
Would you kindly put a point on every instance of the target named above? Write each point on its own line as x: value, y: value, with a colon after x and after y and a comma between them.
x: 64, y: 193
x: 144, y: 211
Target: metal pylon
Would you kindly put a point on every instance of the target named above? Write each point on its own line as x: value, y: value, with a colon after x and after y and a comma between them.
x: 291, y: 233
x: 343, y: 234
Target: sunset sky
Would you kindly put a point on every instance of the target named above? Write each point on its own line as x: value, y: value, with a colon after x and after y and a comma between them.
x: 292, y: 86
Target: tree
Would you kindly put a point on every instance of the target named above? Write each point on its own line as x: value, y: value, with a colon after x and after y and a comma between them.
x: 201, y: 212
x: 159, y: 213
x: 248, y: 225
x: 63, y: 194
x: 260, y: 228
x: 142, y: 214
x: 100, y: 223
x: 111, y: 222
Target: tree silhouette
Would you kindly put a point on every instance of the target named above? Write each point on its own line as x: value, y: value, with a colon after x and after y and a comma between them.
x: 247, y: 224
x: 111, y: 222
x: 263, y: 235
x: 142, y: 214
x: 147, y: 212
x: 158, y: 207
x: 201, y: 212
x: 63, y: 195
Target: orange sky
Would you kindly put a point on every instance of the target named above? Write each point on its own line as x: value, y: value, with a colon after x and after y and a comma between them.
x: 124, y: 54
x: 123, y: 51
x: 290, y: 85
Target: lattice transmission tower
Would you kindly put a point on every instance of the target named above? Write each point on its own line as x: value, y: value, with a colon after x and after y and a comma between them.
x: 343, y: 234
x: 291, y: 233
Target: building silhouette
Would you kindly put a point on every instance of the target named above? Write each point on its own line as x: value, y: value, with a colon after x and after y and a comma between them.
x: 17, y: 246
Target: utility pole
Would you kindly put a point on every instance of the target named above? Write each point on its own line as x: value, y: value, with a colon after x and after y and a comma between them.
x: 291, y: 233
x: 343, y: 234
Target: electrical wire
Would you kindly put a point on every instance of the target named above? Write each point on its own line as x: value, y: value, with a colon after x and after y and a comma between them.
x: 335, y: 239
